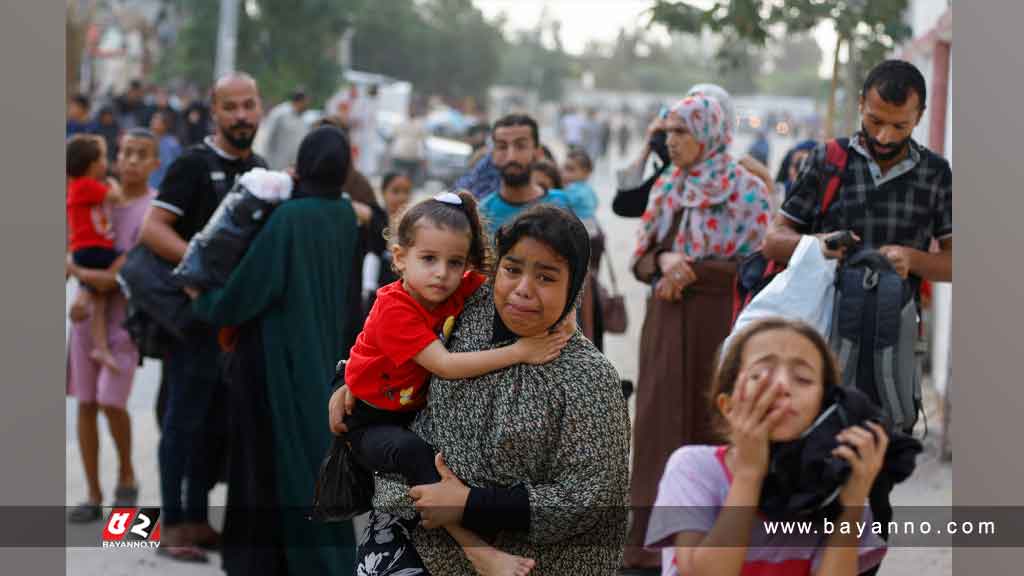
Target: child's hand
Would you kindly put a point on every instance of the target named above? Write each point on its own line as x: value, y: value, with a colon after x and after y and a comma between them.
x: 545, y: 348
x: 340, y: 404
x: 865, y: 452
x: 756, y: 407
x: 114, y: 190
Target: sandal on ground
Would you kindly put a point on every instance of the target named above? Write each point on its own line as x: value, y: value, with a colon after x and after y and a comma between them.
x: 183, y: 554
x: 86, y: 513
x: 126, y: 496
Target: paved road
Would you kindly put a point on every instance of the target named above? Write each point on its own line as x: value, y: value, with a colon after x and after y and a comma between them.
x: 930, y: 486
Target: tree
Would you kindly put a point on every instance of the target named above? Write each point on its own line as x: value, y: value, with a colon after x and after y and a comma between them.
x: 868, y: 28
x: 282, y: 44
x: 795, y: 69
x: 527, y: 62
x: 462, y: 57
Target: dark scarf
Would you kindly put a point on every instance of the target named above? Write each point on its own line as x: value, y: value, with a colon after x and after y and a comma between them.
x: 578, y: 260
x: 804, y: 478
x: 322, y: 164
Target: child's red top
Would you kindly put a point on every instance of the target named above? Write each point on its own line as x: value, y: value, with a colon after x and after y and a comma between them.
x: 381, y: 370
x: 88, y: 221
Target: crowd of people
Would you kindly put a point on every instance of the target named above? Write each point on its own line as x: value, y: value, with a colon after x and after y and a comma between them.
x: 472, y: 325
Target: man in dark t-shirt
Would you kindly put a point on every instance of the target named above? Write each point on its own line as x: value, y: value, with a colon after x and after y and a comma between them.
x: 191, y: 444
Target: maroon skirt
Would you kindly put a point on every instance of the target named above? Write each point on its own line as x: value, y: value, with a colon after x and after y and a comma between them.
x: 678, y: 344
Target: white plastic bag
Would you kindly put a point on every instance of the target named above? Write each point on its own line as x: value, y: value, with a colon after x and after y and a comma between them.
x: 805, y: 290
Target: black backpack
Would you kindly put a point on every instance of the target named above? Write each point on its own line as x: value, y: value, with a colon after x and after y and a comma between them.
x: 875, y: 328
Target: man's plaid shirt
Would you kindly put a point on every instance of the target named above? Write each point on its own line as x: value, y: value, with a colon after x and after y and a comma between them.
x: 908, y: 206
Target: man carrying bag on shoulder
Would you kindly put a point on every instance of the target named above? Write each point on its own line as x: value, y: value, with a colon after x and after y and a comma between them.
x: 895, y: 197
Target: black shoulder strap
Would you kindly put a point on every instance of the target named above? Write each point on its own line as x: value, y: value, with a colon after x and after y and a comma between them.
x: 218, y: 177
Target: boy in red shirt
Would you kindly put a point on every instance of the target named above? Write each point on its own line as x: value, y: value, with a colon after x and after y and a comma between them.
x: 90, y: 238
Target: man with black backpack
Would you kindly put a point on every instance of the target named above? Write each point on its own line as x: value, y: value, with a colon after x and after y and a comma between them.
x: 194, y: 425
x: 894, y: 198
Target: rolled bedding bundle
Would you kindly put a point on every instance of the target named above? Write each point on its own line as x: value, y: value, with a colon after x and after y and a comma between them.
x: 215, y: 251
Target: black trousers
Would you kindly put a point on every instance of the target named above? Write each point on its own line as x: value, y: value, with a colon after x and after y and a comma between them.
x: 382, y: 442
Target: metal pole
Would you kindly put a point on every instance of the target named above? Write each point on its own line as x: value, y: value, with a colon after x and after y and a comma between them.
x: 345, y: 49
x: 227, y: 38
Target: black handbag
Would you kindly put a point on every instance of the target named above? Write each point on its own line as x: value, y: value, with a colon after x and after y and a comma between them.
x: 344, y: 487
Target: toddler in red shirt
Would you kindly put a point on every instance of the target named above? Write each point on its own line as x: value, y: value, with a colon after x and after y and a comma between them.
x: 438, y: 251
x: 90, y: 237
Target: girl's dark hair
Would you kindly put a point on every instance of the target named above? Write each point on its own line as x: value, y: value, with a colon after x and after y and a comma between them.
x: 731, y: 360
x: 82, y: 151
x: 580, y: 156
x: 549, y: 170
x: 391, y: 177
x: 458, y: 218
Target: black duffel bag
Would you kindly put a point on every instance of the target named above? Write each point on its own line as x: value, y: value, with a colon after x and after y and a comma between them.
x: 146, y: 281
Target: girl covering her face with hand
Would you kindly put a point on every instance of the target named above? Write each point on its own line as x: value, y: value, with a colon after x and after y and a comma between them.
x: 768, y: 388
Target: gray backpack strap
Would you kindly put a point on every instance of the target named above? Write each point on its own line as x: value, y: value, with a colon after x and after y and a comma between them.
x: 886, y: 382
x: 848, y: 362
x: 895, y: 339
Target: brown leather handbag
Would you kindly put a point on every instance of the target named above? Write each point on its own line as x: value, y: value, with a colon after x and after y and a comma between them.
x: 613, y: 306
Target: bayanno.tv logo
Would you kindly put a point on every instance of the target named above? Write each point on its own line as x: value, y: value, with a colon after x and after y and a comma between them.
x: 132, y: 528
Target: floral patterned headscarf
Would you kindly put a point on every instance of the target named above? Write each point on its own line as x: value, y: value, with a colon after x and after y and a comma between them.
x: 725, y: 207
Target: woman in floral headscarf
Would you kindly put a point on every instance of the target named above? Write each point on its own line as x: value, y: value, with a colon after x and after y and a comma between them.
x: 705, y: 213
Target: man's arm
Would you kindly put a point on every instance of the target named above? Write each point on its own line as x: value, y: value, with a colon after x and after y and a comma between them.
x: 934, y: 266
x: 937, y: 267
x: 783, y: 237
x: 158, y: 234
x: 781, y: 240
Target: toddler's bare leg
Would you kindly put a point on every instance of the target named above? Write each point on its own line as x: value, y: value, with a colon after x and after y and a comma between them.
x: 101, y: 348
x: 487, y: 560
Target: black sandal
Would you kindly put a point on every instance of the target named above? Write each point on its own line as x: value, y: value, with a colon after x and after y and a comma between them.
x: 86, y: 513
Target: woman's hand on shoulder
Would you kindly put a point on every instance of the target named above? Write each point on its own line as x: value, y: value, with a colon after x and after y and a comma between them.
x: 341, y: 403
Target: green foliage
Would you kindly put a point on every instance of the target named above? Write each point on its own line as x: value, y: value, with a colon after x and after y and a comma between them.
x: 284, y: 45
x: 526, y: 61
x: 441, y: 46
x: 872, y: 27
